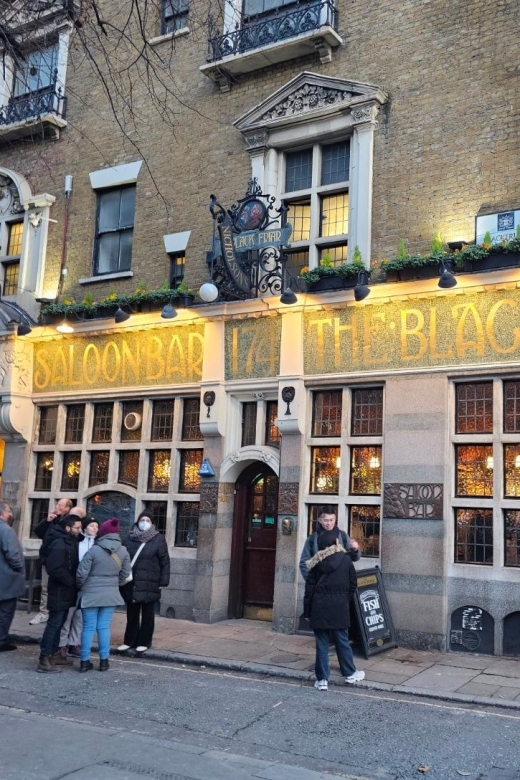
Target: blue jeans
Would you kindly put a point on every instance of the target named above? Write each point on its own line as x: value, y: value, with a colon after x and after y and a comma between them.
x: 343, y: 651
x: 50, y: 641
x: 96, y: 619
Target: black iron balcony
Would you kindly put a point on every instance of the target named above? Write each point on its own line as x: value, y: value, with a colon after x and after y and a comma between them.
x: 43, y: 108
x: 254, y: 33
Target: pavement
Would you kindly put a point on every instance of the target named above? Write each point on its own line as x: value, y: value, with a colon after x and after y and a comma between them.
x: 251, y: 646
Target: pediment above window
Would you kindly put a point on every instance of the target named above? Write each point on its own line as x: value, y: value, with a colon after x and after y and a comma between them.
x: 309, y: 96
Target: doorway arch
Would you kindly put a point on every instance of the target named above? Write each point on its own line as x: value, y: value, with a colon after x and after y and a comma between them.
x: 253, y: 546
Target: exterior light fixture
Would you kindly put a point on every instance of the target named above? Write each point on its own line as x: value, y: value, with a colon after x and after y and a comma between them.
x: 456, y: 246
x: 208, y: 292
x: 288, y: 297
x: 447, y: 279
x: 168, y: 312
x: 23, y: 330
x: 121, y: 316
x: 65, y: 326
x: 362, y: 290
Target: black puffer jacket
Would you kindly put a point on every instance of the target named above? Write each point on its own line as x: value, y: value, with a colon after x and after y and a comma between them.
x: 331, y: 582
x: 61, y: 563
x: 151, y: 570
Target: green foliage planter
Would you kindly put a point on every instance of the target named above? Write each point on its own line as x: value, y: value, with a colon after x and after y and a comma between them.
x: 327, y: 278
x: 409, y: 273
x: 329, y: 283
x: 492, y: 262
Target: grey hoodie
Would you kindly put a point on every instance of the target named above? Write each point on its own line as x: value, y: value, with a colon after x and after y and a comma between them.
x: 99, y: 574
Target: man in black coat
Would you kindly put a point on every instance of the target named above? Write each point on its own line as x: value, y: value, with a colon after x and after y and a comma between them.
x: 62, y: 507
x: 331, y: 582
x: 61, y: 562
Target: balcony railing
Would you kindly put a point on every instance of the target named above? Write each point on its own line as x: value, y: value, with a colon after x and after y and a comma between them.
x: 34, y: 106
x: 273, y: 29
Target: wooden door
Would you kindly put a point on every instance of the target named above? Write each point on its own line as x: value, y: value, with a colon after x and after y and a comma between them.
x: 254, y: 544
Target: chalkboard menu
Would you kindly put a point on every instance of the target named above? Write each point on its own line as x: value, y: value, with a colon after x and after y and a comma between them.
x: 376, y: 629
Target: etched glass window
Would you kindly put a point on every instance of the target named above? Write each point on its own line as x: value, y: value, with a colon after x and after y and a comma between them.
x: 327, y: 413
x: 129, y: 467
x: 189, y: 479
x: 71, y: 471
x: 367, y: 412
x: 159, y: 471
x: 102, y: 428
x: 474, y: 469
x: 325, y: 465
x: 48, y: 423
x: 474, y: 407
x: 187, y: 526
x: 44, y: 469
x: 365, y: 471
x: 474, y: 536
x: 75, y: 424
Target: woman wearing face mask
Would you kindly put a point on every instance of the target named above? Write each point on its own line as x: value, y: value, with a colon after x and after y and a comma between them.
x: 151, y: 572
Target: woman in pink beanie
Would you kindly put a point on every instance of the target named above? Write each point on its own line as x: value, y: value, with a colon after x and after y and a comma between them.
x: 104, y: 568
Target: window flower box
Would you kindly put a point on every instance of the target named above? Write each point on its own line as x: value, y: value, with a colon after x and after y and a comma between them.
x: 492, y: 262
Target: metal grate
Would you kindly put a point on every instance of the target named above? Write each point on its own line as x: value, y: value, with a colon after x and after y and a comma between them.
x: 99, y: 462
x: 327, y: 413
x: 102, y: 428
x: 474, y: 407
x: 48, y: 424
x: 189, y: 478
x: 190, y: 420
x: 187, y: 526
x: 159, y: 471
x: 474, y: 536
x: 367, y: 412
x: 162, y: 421
x: 75, y: 424
x: 129, y: 467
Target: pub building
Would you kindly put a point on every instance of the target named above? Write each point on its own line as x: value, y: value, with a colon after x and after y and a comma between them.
x: 391, y: 394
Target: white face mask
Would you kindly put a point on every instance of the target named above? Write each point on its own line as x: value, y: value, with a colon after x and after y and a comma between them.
x: 144, y: 525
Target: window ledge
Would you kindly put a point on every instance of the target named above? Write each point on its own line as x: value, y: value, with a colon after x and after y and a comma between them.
x: 322, y: 40
x: 106, y: 277
x: 51, y: 124
x: 169, y: 36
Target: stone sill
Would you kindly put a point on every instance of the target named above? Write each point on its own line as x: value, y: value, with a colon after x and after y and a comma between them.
x: 322, y: 41
x: 169, y: 36
x: 106, y: 277
x: 50, y: 122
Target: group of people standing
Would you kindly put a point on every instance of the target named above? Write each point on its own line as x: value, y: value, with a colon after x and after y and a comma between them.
x: 89, y: 572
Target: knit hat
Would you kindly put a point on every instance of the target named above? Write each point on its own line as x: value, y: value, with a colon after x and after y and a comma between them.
x: 87, y: 521
x: 110, y: 526
x: 327, y: 538
x: 144, y: 513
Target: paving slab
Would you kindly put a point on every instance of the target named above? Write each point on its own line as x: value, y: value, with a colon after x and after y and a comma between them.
x: 495, y: 679
x: 506, y: 693
x: 443, y: 678
x: 479, y: 689
x: 391, y: 679
x: 503, y: 668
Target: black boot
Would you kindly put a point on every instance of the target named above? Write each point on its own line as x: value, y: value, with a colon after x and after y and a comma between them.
x: 103, y: 665
x: 85, y: 666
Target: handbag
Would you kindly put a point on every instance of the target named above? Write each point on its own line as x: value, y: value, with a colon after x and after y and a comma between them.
x: 131, y: 576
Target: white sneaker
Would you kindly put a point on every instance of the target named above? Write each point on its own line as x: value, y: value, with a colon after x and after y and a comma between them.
x: 122, y: 648
x: 356, y: 677
x: 41, y: 617
x: 321, y: 685
x: 141, y: 649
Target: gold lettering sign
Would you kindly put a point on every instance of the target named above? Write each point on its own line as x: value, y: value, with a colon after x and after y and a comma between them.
x: 168, y: 356
x: 454, y: 330
x: 253, y: 348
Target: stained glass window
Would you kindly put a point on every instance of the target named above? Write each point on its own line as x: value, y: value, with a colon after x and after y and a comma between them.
x: 474, y: 407
x: 474, y: 536
x: 325, y: 465
x: 367, y: 412
x: 365, y: 470
x: 189, y: 480
x: 327, y: 413
x: 39, y: 512
x: 190, y: 420
x: 102, y: 428
x: 71, y: 471
x: 364, y: 527
x: 160, y: 466
x: 75, y: 423
x: 187, y: 526
x: 129, y: 467
x: 162, y: 420
x: 474, y: 467
x: 44, y: 469
x: 99, y: 462
x: 158, y: 512
x: 512, y: 407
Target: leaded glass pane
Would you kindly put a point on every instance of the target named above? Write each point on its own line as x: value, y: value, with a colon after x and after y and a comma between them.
x: 131, y: 421
x: 75, y: 423
x: 335, y: 255
x: 325, y: 465
x: 334, y: 215
x: 335, y: 162
x: 162, y: 420
x: 129, y: 467
x: 364, y: 527
x: 474, y: 467
x: 158, y: 513
x: 48, y: 423
x: 367, y: 412
x: 512, y: 470
x: 365, y: 471
x: 160, y: 467
x: 474, y: 407
x: 39, y: 512
x: 272, y: 432
x: 11, y: 276
x: 512, y: 537
x: 248, y: 424
x: 71, y: 471
x: 187, y: 526
x: 296, y: 262
x: 512, y: 407
x: 299, y: 216
x: 14, y: 245
x: 44, y: 469
x: 102, y: 428
x: 298, y: 171
x: 99, y: 462
x: 189, y: 480
x: 474, y: 536
x: 190, y: 420
x: 327, y: 413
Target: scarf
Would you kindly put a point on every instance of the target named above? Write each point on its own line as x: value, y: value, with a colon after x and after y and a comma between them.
x: 142, y: 536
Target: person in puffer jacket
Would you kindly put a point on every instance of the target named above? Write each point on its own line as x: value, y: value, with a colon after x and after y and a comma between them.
x: 151, y: 573
x: 331, y: 582
x: 101, y: 572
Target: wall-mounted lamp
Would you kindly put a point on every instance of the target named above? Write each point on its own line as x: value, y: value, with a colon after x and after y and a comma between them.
x: 456, y: 246
x: 288, y: 297
x: 208, y: 292
x: 447, y: 278
x: 65, y: 326
x: 23, y: 330
x: 362, y: 290
x: 168, y: 312
x: 287, y: 526
x: 121, y: 316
